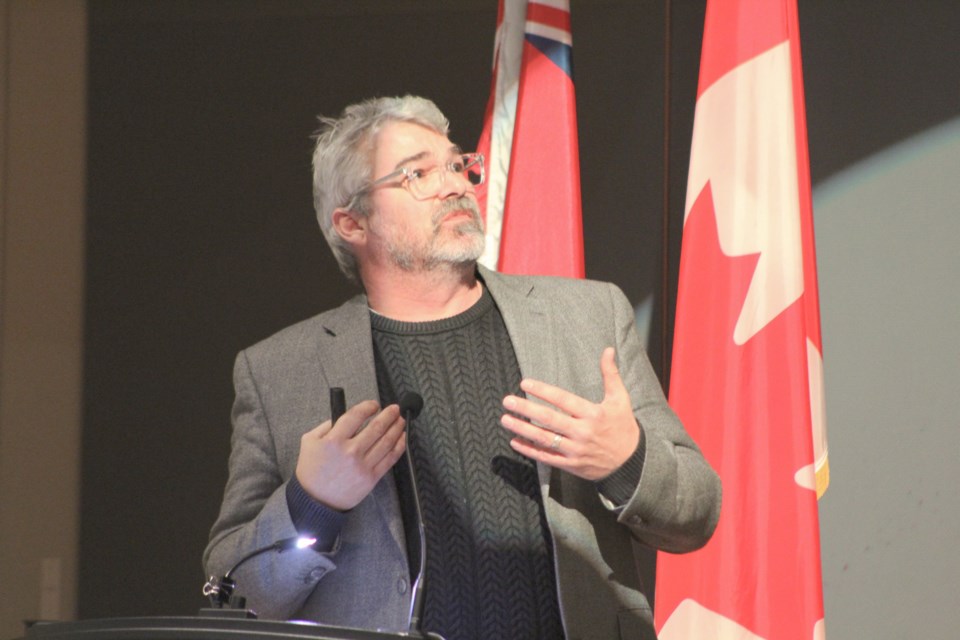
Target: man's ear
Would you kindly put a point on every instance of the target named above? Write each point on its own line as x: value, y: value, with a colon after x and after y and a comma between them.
x: 350, y: 226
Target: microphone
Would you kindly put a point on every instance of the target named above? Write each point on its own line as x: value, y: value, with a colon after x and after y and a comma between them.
x: 411, y: 404
x: 220, y: 591
x: 338, y: 404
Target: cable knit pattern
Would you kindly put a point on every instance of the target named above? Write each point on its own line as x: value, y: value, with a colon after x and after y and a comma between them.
x: 489, y: 562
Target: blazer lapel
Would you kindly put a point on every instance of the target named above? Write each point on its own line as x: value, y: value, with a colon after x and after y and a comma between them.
x: 345, y: 350
x: 532, y: 332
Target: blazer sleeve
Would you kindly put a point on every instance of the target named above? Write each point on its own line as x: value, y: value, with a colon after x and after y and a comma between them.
x: 254, y: 514
x: 676, y: 504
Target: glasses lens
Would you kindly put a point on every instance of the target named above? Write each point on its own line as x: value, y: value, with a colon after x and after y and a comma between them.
x: 473, y: 168
x: 428, y: 183
x: 424, y: 184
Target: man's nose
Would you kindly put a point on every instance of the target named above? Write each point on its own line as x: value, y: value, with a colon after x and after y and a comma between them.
x: 453, y: 184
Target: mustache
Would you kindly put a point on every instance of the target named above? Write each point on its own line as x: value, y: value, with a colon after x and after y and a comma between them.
x: 462, y: 203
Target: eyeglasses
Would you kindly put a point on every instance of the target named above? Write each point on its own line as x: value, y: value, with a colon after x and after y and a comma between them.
x: 424, y: 179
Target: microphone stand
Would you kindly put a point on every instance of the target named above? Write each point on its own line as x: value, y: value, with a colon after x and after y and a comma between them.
x: 410, y: 406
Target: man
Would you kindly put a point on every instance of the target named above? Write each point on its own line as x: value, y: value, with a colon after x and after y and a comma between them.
x: 544, y: 446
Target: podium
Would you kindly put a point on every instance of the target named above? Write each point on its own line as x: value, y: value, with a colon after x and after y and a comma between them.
x: 199, y: 628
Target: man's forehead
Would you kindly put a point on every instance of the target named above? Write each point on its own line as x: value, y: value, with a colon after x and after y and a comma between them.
x: 400, y: 142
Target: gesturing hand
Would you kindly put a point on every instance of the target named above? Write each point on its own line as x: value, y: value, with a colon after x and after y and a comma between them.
x: 586, y: 439
x: 340, y: 464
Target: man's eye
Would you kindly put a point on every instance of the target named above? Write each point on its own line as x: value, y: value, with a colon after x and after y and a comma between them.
x: 417, y: 173
x: 457, y: 166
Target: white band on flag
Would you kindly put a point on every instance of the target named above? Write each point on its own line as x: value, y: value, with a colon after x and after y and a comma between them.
x: 552, y: 33
x: 509, y: 51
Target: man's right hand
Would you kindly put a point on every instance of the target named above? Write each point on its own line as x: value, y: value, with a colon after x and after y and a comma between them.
x: 340, y: 464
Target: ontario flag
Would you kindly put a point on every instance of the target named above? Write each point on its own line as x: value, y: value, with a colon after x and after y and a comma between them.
x: 531, y: 199
x: 746, y: 379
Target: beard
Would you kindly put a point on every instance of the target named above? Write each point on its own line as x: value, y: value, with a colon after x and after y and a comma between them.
x: 456, y: 244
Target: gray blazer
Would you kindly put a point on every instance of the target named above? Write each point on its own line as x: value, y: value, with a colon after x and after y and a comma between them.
x: 559, y: 329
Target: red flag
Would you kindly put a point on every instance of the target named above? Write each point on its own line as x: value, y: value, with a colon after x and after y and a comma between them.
x: 746, y: 378
x: 532, y: 198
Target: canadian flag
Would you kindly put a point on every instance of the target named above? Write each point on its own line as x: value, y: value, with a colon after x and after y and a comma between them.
x: 746, y: 378
x: 531, y: 199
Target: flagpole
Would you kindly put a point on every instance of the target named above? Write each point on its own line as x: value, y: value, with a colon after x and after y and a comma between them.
x: 665, y: 249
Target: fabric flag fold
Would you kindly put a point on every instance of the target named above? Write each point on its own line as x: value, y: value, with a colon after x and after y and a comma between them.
x: 746, y: 378
x: 531, y: 200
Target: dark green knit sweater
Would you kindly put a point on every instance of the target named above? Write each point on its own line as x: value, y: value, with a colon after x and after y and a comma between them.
x: 489, y: 563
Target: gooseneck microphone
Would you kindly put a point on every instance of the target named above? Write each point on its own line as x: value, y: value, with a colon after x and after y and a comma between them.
x: 411, y: 403
x: 220, y: 590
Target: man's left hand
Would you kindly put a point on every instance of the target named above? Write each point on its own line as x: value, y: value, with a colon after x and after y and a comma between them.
x: 586, y: 439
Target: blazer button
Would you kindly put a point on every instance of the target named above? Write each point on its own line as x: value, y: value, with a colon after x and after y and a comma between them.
x: 315, y: 574
x: 401, y: 585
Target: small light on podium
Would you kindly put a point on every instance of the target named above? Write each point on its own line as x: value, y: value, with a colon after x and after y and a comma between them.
x: 220, y: 590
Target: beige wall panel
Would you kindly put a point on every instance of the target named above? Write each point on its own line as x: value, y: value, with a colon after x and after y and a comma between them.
x: 42, y: 175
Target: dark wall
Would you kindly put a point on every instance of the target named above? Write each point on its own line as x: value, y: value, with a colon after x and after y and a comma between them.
x: 201, y: 237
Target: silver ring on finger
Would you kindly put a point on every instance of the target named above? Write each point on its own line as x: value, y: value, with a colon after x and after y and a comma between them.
x: 555, y: 445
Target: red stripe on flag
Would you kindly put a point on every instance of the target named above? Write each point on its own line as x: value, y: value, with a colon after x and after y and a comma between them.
x: 542, y: 226
x: 811, y: 293
x: 549, y: 16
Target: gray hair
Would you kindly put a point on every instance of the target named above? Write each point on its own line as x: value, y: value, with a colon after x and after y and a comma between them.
x: 343, y: 160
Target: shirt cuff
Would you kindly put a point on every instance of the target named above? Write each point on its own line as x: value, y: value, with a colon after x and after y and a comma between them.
x: 310, y: 518
x: 619, y: 486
